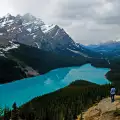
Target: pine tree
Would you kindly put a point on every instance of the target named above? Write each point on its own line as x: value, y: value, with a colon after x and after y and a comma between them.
x: 14, y: 113
x: 1, y: 111
x: 61, y: 116
x: 7, y: 113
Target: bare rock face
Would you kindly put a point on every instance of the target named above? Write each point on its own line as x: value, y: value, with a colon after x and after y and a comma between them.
x: 105, y: 110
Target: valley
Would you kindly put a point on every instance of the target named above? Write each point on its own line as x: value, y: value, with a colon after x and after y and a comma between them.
x: 47, y: 75
x: 24, y: 90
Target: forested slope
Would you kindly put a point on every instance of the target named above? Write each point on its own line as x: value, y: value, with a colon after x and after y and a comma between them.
x: 64, y: 103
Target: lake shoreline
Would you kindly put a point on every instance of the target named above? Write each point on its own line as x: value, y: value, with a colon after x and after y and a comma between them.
x: 24, y: 90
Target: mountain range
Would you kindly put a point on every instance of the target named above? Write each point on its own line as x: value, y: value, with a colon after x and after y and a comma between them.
x: 29, y: 47
x: 32, y: 31
x: 107, y: 49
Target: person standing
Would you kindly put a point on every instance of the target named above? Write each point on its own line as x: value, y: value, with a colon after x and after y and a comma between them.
x: 112, y: 93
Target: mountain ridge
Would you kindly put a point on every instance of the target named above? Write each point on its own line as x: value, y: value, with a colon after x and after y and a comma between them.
x: 32, y: 31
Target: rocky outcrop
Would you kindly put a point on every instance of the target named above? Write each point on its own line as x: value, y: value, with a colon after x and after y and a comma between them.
x: 104, y: 110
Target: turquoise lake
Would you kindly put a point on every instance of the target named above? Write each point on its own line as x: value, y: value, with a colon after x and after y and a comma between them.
x: 24, y: 90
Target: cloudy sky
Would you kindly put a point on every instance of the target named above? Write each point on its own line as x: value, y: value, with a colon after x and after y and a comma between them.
x: 86, y: 21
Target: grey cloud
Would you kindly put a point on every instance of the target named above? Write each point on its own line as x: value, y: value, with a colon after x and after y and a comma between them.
x: 76, y: 9
x: 113, y: 16
x: 84, y: 20
x: 110, y: 20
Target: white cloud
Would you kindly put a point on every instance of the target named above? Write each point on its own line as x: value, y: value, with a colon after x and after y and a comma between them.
x: 87, y: 21
x: 5, y: 8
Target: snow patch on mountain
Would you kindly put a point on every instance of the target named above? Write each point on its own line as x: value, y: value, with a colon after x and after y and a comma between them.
x: 56, y: 33
x: 1, y: 34
x: 34, y: 36
x: 117, y: 40
x: 13, y: 46
x: 78, y: 52
x: 5, y: 22
x: 29, y: 29
x: 47, y: 28
x: 37, y: 45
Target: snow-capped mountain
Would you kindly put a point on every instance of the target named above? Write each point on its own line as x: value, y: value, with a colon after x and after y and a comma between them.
x: 32, y: 31
x: 111, y: 48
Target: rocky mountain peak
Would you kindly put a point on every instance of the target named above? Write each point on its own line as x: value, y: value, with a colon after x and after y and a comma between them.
x: 32, y: 31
